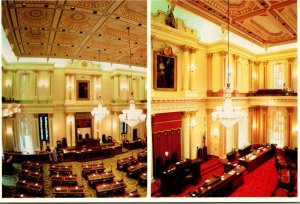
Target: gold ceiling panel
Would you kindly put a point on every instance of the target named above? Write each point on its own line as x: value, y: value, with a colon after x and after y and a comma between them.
x: 77, y: 29
x: 263, y: 22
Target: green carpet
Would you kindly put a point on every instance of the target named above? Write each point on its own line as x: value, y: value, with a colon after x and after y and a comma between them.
x: 9, y: 181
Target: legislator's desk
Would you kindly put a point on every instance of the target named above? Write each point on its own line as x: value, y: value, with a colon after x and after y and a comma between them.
x: 221, y: 186
x: 171, y: 176
x: 136, y: 169
x: 94, y: 153
x: 123, y: 163
x: 35, y: 176
x: 133, y: 144
x: 107, y: 176
x: 68, y: 191
x: 110, y: 189
x: 65, y: 180
x: 34, y: 166
x: 19, y: 157
x: 87, y: 143
x: 92, y: 168
x: 60, y: 169
x: 143, y: 179
x: 133, y: 194
x: 245, y: 150
x: 94, y: 179
x: 256, y: 158
x: 32, y: 188
x: 142, y: 156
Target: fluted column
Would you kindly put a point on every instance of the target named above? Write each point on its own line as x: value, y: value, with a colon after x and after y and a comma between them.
x: 265, y: 74
x: 208, y: 135
x: 192, y: 135
x: 289, y: 81
x: 73, y: 90
x: 236, y: 85
x: 289, y: 125
x: 256, y: 76
x: 250, y: 76
x: 264, y: 126
x: 67, y: 90
x: 193, y: 69
x: 115, y: 86
x: 185, y: 71
x: 51, y: 84
x: 222, y: 70
x: 222, y: 140
x: 70, y: 129
x: 186, y: 135
x: 209, y: 73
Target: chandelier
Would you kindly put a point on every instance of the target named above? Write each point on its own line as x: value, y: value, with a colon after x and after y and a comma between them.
x: 131, y: 116
x: 228, y: 114
x: 100, y: 111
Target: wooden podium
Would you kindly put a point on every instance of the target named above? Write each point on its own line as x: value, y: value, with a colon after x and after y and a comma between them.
x: 89, y: 143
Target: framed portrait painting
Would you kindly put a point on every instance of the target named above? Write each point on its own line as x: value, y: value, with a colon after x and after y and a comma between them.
x: 165, y: 70
x: 83, y: 90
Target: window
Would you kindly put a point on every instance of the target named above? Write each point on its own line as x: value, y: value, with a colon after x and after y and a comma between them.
x: 277, y: 133
x: 123, y: 128
x: 278, y: 76
x: 26, y: 137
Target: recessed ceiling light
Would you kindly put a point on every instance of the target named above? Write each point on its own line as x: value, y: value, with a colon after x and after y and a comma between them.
x: 72, y: 45
x: 118, y: 17
x: 58, y: 44
x: 73, y: 8
x: 277, y: 17
x: 209, y: 9
x: 67, y: 55
x: 43, y: 28
x: 140, y: 24
x: 262, y: 3
x: 283, y: 24
x: 42, y: 43
x: 136, y: 43
x: 23, y: 5
x: 79, y: 55
x: 81, y: 32
x: 289, y: 29
x: 95, y: 12
x: 87, y: 47
x: 119, y: 38
x: 104, y: 49
x: 63, y: 30
x: 120, y: 52
x: 27, y: 43
x: 249, y: 32
x: 25, y: 28
x: 99, y: 35
x: 54, y: 54
x: 46, y: 5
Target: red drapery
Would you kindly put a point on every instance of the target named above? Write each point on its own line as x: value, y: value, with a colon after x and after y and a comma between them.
x: 166, y: 134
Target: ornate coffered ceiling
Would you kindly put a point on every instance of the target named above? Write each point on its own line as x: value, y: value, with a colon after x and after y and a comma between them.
x: 264, y: 22
x: 78, y: 29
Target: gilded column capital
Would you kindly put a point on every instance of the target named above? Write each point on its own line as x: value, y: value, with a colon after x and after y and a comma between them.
x: 265, y: 63
x: 235, y: 57
x: 256, y: 63
x: 210, y: 55
x: 250, y: 62
x: 184, y: 48
x: 290, y: 60
x: 186, y: 114
x: 223, y: 53
x: 193, y: 50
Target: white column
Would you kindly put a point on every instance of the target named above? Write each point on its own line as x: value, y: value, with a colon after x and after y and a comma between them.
x: 193, y: 69
x: 185, y: 70
x: 50, y: 84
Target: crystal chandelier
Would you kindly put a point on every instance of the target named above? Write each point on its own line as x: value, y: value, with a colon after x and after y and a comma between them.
x: 131, y: 116
x: 228, y: 114
x: 100, y: 111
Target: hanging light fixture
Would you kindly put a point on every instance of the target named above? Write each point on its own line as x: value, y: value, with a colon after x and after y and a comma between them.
x: 131, y: 116
x: 100, y: 111
x: 228, y: 114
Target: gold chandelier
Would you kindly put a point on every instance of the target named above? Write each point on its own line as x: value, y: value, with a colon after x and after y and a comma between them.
x: 131, y: 116
x: 228, y: 114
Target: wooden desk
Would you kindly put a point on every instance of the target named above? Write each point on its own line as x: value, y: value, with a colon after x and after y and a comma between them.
x: 104, y: 190
x: 245, y: 150
x: 221, y: 186
x: 60, y: 169
x: 34, y: 166
x: 19, y: 157
x: 35, y: 176
x: 122, y: 164
x: 107, y: 176
x: 133, y: 194
x: 68, y: 191
x: 170, y: 179
x: 143, y: 179
x: 32, y: 188
x: 118, y: 187
x: 256, y: 158
x: 94, y: 179
x: 70, y: 180
x: 92, y: 168
x: 95, y: 153
x: 142, y: 156
x: 133, y: 144
x: 135, y: 170
x: 89, y: 143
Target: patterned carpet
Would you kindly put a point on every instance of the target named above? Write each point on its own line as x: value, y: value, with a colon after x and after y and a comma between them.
x: 9, y: 181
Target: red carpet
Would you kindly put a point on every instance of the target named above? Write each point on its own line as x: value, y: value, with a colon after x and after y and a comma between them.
x: 259, y: 183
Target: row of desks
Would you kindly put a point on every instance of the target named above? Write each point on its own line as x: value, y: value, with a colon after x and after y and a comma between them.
x: 68, y: 191
x: 32, y: 188
x: 110, y: 189
x: 221, y: 186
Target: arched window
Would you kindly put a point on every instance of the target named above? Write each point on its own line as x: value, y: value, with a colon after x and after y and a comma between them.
x: 278, y: 76
x: 277, y: 133
x: 26, y: 134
